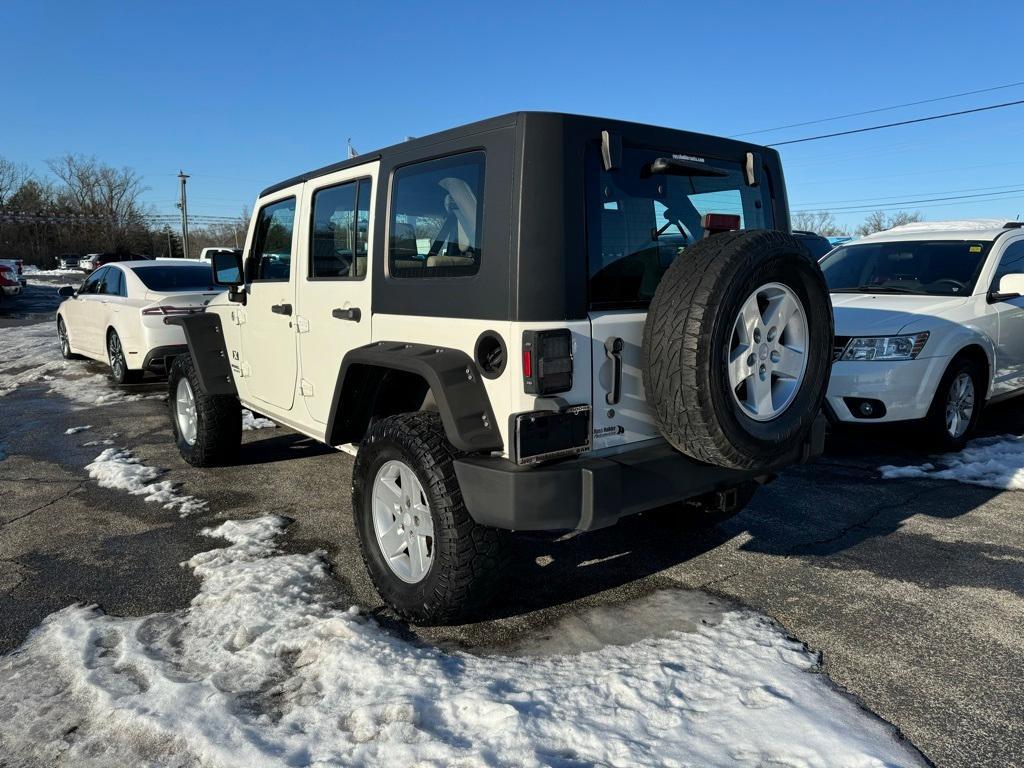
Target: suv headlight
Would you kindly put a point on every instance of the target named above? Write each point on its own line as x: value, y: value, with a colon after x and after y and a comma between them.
x: 885, y: 347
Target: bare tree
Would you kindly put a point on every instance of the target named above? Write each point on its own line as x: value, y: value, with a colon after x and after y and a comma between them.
x: 12, y: 177
x: 822, y: 222
x: 109, y: 194
x: 879, y: 221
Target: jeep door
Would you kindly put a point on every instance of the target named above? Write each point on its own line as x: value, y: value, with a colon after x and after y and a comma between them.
x: 268, y: 334
x: 333, y: 300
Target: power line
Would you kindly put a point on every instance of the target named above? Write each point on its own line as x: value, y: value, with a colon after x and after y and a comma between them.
x: 826, y: 203
x: 901, y: 122
x: 988, y: 196
x: 880, y: 109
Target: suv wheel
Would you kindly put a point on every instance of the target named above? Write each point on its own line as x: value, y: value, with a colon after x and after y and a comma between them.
x: 119, y: 370
x: 956, y: 407
x: 207, y: 428
x: 427, y: 558
x: 737, y: 349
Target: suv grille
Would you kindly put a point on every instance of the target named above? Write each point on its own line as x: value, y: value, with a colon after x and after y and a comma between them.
x: 838, y: 345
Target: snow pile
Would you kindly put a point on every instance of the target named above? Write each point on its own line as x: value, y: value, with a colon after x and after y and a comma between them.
x: 118, y: 468
x: 250, y: 421
x: 263, y: 669
x: 94, y: 389
x: 993, y: 462
x: 30, y: 352
x: 28, y: 269
x: 76, y: 430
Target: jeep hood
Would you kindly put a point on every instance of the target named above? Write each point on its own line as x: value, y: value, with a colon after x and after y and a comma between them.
x: 867, y: 314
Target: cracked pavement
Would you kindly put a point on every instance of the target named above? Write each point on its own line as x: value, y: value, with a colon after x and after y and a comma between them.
x: 913, y: 590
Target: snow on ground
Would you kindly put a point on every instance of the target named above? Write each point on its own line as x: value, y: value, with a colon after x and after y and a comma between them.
x: 118, y: 468
x: 993, y: 462
x: 28, y: 269
x: 265, y: 668
x: 249, y: 421
x: 76, y: 430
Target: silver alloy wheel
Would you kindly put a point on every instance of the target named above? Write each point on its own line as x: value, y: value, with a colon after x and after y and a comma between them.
x: 185, y: 411
x: 62, y: 335
x: 402, y: 522
x: 767, y: 355
x: 959, y: 405
x: 115, y: 355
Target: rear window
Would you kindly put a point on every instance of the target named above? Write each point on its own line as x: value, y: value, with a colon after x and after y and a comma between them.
x: 176, y: 277
x: 638, y: 221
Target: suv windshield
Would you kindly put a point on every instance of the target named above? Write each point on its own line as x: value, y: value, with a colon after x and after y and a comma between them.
x: 177, y: 277
x: 639, y: 221
x: 929, y: 267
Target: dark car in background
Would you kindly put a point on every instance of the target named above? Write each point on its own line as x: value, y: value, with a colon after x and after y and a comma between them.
x: 813, y: 242
x: 68, y: 261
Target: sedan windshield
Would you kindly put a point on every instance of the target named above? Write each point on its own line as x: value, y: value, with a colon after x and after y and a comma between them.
x: 177, y: 277
x: 929, y: 267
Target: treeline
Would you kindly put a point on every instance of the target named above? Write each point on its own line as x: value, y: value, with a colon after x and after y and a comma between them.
x: 84, y: 206
x: 824, y: 222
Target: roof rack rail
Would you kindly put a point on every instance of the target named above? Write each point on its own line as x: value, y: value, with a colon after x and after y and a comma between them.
x: 1014, y: 224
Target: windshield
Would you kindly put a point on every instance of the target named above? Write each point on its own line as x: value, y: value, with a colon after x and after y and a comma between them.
x: 929, y: 267
x: 639, y: 221
x: 177, y: 277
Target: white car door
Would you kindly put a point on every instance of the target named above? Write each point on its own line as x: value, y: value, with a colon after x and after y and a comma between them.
x: 1009, y: 364
x: 268, y: 336
x: 334, y: 285
x: 88, y: 320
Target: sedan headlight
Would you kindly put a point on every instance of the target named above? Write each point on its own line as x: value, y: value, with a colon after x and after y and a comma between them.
x: 885, y: 347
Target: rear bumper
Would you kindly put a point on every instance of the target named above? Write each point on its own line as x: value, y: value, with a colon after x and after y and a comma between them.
x: 158, y: 359
x: 594, y: 492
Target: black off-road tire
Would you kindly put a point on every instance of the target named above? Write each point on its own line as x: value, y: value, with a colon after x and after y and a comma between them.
x: 218, y: 419
x: 119, y: 370
x: 468, y: 558
x: 686, y: 341
x: 65, y: 341
x: 935, y: 433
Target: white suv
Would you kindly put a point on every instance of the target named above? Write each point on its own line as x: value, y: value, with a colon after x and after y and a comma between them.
x: 535, y: 322
x: 929, y: 324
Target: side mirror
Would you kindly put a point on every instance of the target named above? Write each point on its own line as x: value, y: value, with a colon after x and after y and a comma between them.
x: 227, y: 268
x: 1010, y: 287
x: 66, y: 291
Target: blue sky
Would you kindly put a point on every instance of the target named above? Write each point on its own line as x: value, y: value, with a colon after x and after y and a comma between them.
x: 241, y: 95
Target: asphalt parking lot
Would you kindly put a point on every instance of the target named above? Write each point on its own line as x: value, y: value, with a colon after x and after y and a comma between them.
x: 911, y: 589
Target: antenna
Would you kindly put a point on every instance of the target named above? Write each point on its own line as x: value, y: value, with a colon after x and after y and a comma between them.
x: 351, y: 150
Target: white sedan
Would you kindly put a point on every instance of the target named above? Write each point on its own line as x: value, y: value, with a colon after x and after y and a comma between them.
x: 929, y: 324
x: 117, y: 315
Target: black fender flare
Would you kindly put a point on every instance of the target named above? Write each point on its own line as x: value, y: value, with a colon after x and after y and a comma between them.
x: 454, y: 381
x: 205, y: 338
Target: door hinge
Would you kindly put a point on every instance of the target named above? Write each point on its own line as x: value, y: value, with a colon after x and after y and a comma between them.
x: 305, y: 388
x: 244, y: 370
x: 301, y: 324
x: 238, y: 316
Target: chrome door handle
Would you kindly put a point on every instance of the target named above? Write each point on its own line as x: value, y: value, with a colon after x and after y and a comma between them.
x: 351, y: 313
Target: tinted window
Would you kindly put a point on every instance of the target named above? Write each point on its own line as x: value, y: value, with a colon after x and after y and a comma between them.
x: 1011, y: 263
x: 939, y: 267
x: 112, y: 282
x: 341, y: 217
x: 93, y: 282
x: 272, y: 247
x: 638, y: 222
x: 176, y: 277
x: 437, y: 210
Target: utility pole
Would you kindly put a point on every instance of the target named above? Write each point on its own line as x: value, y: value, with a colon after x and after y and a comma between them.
x: 183, y: 205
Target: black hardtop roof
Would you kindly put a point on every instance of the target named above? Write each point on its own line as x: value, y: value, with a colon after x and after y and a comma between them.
x: 501, y: 121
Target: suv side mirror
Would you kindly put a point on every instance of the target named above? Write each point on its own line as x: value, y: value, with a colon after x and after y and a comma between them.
x: 227, y: 268
x: 1010, y: 287
x: 65, y: 291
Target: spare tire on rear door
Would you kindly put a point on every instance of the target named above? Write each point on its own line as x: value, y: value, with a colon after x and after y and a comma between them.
x: 737, y: 349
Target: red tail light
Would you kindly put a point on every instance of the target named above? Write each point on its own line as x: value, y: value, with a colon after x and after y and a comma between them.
x: 167, y: 309
x: 527, y: 363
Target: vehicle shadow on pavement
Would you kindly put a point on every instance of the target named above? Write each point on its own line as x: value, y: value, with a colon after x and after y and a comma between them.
x: 287, y: 446
x: 817, y: 511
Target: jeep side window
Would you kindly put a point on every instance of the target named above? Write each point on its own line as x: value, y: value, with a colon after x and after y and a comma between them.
x: 271, y: 257
x: 341, y: 217
x: 437, y: 210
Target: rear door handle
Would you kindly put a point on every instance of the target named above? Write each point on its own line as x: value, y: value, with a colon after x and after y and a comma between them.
x: 350, y: 313
x: 281, y: 309
x: 613, y: 351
